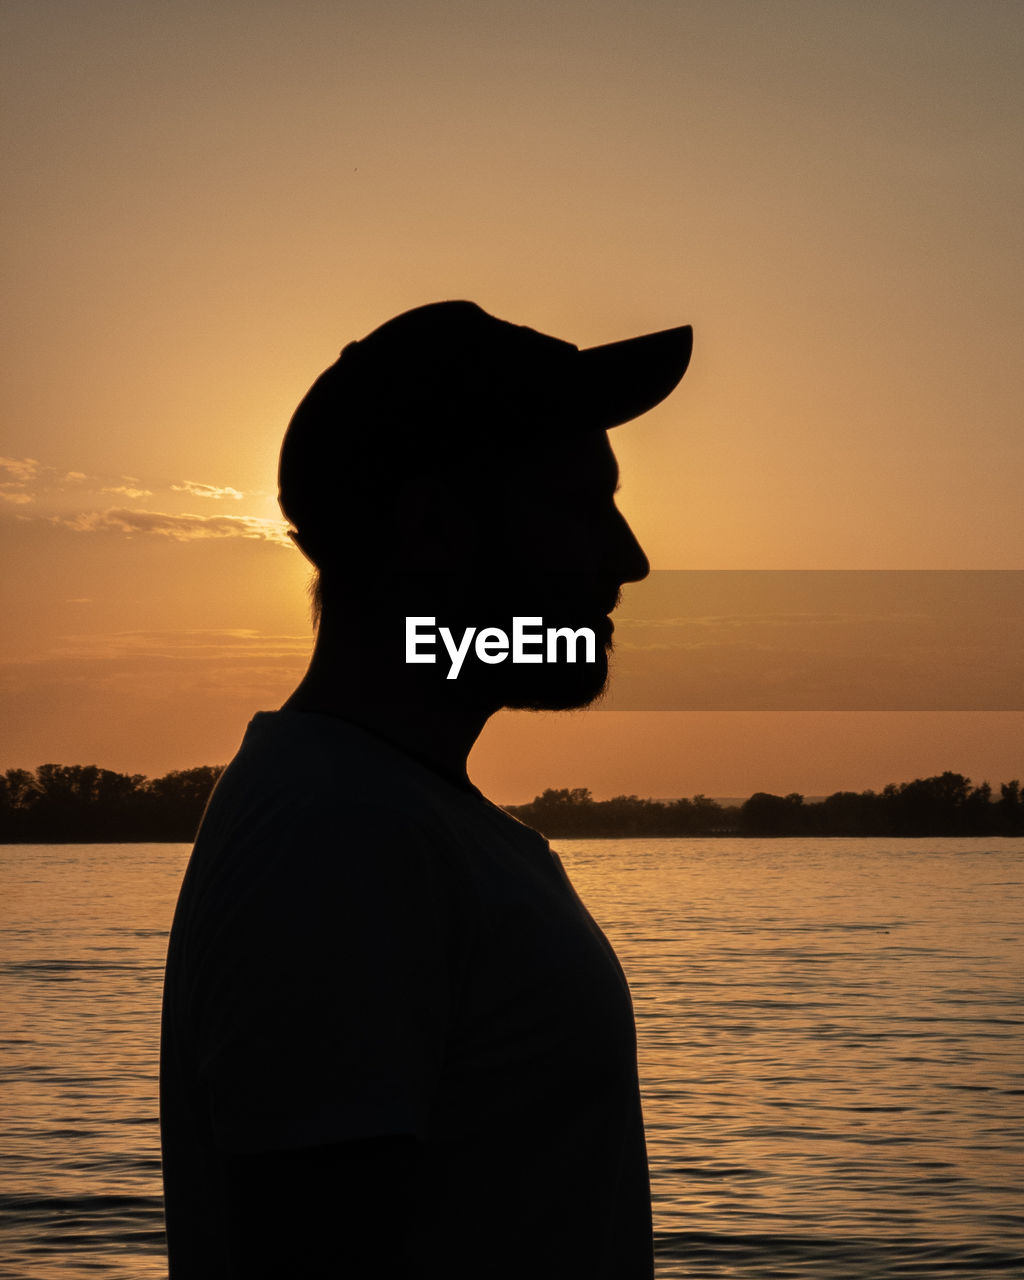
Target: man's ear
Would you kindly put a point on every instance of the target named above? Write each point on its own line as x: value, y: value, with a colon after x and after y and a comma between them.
x: 436, y: 533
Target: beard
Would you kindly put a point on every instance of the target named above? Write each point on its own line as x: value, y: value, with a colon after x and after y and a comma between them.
x: 569, y: 601
x: 543, y: 686
x: 555, y: 688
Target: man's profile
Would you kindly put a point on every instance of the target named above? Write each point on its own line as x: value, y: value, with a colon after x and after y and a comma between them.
x: 394, y: 1042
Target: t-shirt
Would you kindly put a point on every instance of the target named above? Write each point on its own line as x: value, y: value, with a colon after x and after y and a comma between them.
x: 363, y: 948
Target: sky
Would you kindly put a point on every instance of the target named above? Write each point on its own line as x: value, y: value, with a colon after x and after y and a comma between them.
x: 205, y: 202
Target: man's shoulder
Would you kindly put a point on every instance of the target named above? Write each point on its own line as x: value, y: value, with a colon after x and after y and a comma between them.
x: 310, y: 807
x: 297, y: 760
x: 305, y: 771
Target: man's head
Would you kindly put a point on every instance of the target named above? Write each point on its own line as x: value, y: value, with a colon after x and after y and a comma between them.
x: 452, y: 462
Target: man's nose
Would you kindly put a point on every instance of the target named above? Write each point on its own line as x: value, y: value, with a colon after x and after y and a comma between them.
x: 630, y: 561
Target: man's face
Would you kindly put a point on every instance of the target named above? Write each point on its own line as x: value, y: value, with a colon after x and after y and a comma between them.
x: 558, y: 549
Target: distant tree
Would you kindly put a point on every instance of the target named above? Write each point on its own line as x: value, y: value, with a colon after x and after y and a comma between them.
x: 178, y: 799
x: 18, y: 794
x: 928, y: 806
x: 709, y: 814
x: 698, y: 817
x: 83, y: 802
x: 765, y: 814
x: 556, y: 812
x: 628, y: 815
x: 575, y: 813
x: 850, y: 813
x: 1010, y: 809
x: 20, y: 788
x: 978, y: 814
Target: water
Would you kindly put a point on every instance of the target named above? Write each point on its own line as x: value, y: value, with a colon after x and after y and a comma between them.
x: 830, y: 1050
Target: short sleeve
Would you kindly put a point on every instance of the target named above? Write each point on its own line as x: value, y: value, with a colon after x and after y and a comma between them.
x: 326, y: 993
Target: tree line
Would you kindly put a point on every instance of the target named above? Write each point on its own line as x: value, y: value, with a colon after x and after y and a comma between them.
x: 79, y: 804
x: 944, y: 805
x: 82, y: 803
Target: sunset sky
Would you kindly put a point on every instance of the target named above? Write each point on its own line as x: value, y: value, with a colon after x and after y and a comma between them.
x: 205, y: 202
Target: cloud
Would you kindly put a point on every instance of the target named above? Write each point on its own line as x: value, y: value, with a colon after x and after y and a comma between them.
x: 198, y: 490
x: 128, y: 491
x: 15, y: 475
x: 19, y: 470
x: 26, y: 480
x: 78, y: 500
x: 182, y: 528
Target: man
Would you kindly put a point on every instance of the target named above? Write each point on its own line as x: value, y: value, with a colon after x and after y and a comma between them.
x: 394, y: 1041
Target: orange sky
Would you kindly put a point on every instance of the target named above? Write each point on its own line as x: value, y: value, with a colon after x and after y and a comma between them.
x: 205, y: 202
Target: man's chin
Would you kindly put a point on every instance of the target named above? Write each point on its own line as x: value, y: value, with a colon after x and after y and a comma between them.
x: 555, y: 688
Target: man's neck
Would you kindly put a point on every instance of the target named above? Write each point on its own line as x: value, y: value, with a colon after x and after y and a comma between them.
x: 419, y: 717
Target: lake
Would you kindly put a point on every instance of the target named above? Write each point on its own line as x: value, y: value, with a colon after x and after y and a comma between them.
x: 830, y: 1032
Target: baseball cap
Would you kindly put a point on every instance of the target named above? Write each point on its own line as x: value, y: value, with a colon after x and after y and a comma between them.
x: 445, y: 377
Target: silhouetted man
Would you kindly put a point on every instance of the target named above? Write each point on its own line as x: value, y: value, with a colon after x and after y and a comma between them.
x: 394, y: 1042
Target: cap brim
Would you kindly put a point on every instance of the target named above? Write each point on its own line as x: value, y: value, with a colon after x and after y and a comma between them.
x: 621, y: 380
